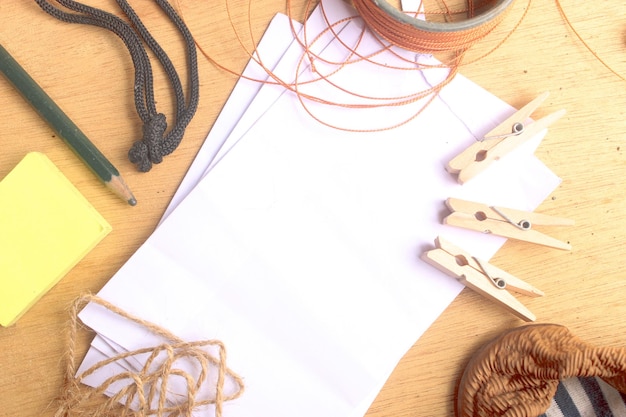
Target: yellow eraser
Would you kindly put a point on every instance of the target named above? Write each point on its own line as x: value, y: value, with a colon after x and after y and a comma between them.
x: 46, y: 227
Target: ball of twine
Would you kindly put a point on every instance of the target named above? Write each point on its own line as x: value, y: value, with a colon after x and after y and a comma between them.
x: 148, y: 391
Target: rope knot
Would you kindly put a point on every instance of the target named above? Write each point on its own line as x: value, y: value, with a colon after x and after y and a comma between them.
x: 148, y: 150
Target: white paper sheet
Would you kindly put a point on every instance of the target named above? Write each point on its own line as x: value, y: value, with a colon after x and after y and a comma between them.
x: 277, y: 38
x: 275, y: 44
x: 300, y: 249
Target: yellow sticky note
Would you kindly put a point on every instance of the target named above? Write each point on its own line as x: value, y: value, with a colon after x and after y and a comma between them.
x: 46, y: 227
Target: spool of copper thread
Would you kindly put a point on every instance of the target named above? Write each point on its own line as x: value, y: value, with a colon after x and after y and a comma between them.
x: 418, y: 35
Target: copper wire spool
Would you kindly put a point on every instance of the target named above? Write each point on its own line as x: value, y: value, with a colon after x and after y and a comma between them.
x: 417, y: 35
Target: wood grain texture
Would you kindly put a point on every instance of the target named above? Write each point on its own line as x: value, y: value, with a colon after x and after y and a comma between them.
x: 89, y: 73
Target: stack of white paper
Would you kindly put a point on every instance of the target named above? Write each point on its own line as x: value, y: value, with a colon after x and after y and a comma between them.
x: 298, y: 244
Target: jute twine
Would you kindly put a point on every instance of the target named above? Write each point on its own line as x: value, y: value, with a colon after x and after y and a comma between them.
x: 145, y: 391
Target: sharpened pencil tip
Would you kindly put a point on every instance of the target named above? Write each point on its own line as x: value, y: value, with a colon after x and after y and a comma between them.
x: 119, y: 187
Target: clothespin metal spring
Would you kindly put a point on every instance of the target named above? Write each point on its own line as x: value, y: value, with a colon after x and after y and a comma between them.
x: 500, y: 283
x: 522, y: 224
x: 516, y: 129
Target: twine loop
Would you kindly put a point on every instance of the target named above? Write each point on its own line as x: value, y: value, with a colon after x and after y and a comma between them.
x: 148, y: 150
x: 175, y: 379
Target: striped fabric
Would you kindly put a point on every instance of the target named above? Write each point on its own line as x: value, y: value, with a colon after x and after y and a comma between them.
x: 586, y: 397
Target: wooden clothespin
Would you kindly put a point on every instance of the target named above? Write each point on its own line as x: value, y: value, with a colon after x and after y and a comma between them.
x: 507, y: 136
x: 507, y: 222
x: 482, y: 277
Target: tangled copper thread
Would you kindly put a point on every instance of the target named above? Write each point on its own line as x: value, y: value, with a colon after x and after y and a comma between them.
x: 455, y: 44
x: 145, y: 392
x: 585, y: 44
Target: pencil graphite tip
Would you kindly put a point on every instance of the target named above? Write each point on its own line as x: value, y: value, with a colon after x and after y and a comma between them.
x: 119, y: 187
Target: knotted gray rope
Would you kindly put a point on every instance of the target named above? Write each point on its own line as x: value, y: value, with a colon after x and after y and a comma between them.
x: 155, y: 143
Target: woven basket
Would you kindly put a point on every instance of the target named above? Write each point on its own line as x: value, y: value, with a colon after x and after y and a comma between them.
x: 517, y: 374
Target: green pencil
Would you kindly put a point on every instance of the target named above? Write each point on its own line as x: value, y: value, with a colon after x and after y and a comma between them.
x: 64, y: 127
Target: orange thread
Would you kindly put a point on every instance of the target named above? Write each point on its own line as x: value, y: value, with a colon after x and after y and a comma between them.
x: 569, y: 23
x: 413, y: 38
x: 391, y: 34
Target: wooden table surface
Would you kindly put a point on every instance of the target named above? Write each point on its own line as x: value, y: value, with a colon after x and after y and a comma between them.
x: 89, y: 73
